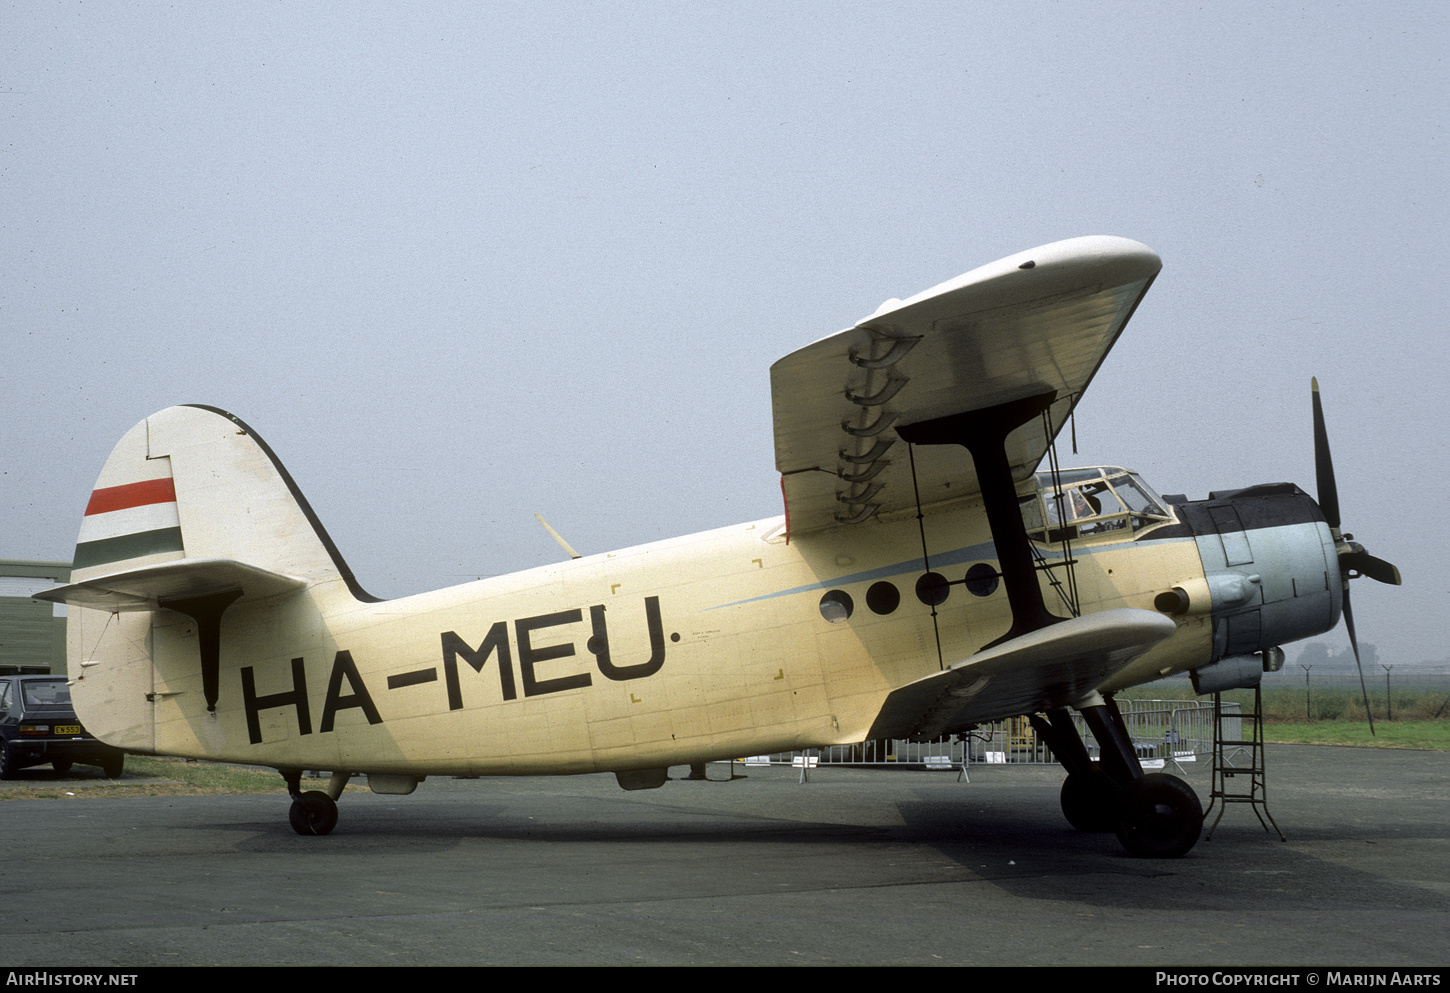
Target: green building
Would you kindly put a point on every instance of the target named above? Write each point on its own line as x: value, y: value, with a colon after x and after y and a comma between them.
x: 32, y: 632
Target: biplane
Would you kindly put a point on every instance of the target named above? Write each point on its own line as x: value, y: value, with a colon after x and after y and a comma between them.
x: 929, y: 575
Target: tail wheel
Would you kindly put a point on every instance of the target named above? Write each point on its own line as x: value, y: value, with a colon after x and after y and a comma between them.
x: 314, y: 812
x: 114, y: 765
x: 1159, y: 817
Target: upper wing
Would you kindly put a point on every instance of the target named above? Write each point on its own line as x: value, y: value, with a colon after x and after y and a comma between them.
x: 1039, y: 321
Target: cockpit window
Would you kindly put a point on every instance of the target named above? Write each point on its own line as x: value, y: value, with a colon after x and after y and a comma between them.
x: 1139, y: 498
x: 1087, y: 503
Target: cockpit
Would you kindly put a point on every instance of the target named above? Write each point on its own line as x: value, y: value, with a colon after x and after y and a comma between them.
x: 1083, y: 504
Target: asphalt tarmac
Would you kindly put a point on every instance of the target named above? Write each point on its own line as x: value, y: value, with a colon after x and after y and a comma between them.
x: 856, y: 866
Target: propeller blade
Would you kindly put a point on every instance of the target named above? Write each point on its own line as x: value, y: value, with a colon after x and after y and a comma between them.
x: 1353, y: 559
x: 1375, y: 568
x: 1354, y: 643
x: 1327, y: 492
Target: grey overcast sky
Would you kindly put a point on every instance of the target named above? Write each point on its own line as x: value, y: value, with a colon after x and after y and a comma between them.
x: 458, y: 263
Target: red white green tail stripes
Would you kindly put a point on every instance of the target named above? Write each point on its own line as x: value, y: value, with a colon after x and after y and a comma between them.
x: 130, y: 521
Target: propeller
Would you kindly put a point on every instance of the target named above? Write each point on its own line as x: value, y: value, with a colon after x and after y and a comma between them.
x: 1354, y: 561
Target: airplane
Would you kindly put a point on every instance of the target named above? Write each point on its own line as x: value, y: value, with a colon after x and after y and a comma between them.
x: 925, y: 578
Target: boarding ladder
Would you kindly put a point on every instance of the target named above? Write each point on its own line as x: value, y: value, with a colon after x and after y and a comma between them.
x: 1239, y: 758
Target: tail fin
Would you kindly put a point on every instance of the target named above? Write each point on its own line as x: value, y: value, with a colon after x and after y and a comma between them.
x: 191, y: 515
x: 192, y: 502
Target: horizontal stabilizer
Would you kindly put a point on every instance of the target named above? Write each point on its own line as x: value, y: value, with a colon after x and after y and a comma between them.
x: 184, y: 579
x: 1046, y: 669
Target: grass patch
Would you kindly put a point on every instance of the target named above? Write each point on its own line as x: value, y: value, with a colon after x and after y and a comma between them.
x: 164, y: 777
x: 1338, y: 714
x: 213, y: 777
x: 1434, y: 735
x: 1337, y: 700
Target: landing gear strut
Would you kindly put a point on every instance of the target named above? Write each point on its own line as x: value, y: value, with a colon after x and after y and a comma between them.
x: 1089, y: 797
x: 1154, y: 815
x: 313, y: 812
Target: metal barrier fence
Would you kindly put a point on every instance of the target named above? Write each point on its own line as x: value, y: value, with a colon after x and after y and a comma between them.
x: 1163, y: 731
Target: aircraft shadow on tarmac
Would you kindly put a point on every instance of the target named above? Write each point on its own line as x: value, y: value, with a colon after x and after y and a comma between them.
x: 1000, y: 842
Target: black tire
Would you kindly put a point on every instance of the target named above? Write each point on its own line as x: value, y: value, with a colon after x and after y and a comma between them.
x: 61, y: 766
x: 114, y: 765
x: 314, y: 812
x: 1090, y: 802
x: 8, y: 768
x: 1160, y: 817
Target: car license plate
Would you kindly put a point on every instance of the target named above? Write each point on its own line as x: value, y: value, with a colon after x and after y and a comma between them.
x: 67, y: 729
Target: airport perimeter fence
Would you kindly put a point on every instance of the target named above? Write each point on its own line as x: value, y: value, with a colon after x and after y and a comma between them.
x: 1164, y: 732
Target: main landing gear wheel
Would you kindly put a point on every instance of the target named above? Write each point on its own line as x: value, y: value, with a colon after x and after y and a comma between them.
x: 1090, y: 802
x: 1159, y: 817
x: 314, y: 812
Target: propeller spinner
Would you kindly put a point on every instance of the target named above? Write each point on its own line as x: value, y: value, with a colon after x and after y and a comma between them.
x: 1354, y: 561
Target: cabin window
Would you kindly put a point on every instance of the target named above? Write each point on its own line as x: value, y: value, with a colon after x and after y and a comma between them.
x: 883, y: 597
x: 837, y: 606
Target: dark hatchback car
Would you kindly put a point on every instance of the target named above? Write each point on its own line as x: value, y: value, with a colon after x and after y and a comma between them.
x: 39, y: 724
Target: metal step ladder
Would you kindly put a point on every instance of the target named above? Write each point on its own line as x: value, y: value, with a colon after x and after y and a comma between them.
x: 1238, y: 758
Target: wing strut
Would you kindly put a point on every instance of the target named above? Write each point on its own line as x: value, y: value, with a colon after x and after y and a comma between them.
x: 925, y: 556
x: 984, y: 433
x: 1069, y: 598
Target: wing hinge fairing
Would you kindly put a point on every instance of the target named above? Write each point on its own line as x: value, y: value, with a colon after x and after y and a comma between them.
x: 858, y: 501
x: 894, y: 354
